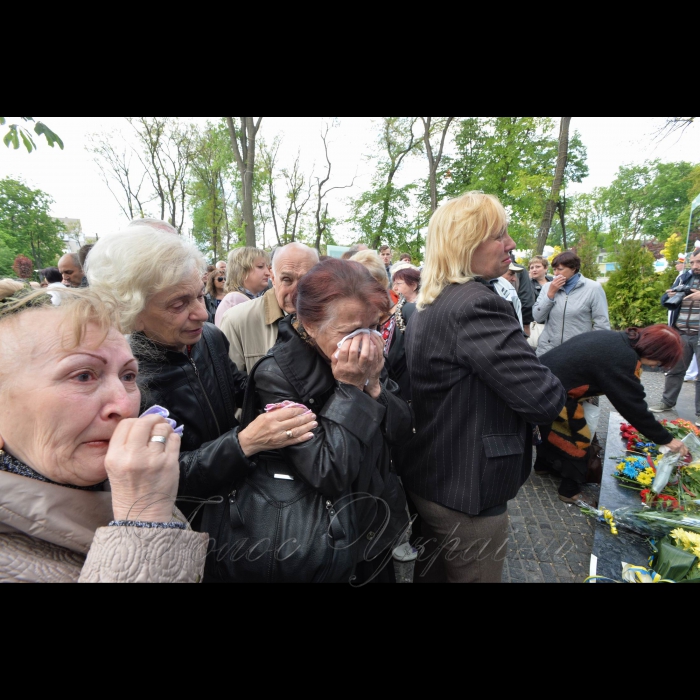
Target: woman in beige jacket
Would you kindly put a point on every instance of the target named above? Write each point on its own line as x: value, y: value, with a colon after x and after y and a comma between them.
x: 68, y: 407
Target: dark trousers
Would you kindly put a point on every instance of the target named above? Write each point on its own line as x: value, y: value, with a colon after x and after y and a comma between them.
x: 675, y: 378
x: 458, y: 548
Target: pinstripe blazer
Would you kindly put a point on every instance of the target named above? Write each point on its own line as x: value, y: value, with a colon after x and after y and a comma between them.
x: 477, y: 385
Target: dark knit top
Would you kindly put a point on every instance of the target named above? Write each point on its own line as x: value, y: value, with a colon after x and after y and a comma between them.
x: 605, y: 363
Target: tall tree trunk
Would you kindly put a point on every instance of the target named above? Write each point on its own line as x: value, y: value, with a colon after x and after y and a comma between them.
x: 552, y: 203
x: 244, y: 148
x: 435, y: 159
x: 562, y: 217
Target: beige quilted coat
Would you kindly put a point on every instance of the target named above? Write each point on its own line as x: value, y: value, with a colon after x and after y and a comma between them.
x: 51, y: 534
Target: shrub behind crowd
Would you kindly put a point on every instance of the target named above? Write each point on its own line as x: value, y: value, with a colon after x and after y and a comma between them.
x: 635, y: 289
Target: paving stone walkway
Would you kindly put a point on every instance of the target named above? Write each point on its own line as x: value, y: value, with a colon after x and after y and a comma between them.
x: 551, y: 542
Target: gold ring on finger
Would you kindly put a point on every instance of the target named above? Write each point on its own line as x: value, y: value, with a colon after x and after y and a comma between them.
x: 290, y: 435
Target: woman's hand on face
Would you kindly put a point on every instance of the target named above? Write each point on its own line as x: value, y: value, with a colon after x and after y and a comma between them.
x: 353, y: 363
x: 374, y: 388
x: 678, y: 447
x: 556, y: 286
x: 143, y: 475
x: 277, y: 430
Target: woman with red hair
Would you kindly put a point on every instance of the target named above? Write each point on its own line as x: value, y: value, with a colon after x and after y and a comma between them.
x: 596, y: 364
x: 329, y: 358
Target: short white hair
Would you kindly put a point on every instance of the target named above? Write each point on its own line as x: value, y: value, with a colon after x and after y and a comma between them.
x: 221, y: 262
x: 133, y: 266
x: 299, y: 248
x: 155, y: 224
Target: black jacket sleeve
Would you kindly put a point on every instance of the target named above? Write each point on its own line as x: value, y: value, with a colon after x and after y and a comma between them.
x: 526, y: 293
x: 626, y: 393
x: 239, y: 381
x: 348, y: 423
x: 211, y: 308
x: 398, y: 421
x: 214, y: 469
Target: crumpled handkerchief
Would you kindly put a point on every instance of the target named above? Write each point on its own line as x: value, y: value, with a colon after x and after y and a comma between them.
x: 286, y: 404
x: 363, y: 331
x: 164, y: 413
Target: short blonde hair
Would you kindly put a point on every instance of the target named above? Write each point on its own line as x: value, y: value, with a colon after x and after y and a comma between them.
x: 370, y: 260
x: 539, y: 259
x: 241, y: 263
x: 456, y: 230
x: 135, y: 265
x: 80, y: 307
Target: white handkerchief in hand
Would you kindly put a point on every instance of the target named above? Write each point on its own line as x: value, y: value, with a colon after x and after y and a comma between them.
x: 363, y: 331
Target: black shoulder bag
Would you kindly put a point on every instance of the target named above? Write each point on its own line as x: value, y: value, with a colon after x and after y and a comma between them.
x: 275, y: 528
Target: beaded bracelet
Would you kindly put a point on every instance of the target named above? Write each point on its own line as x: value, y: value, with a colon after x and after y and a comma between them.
x: 148, y: 526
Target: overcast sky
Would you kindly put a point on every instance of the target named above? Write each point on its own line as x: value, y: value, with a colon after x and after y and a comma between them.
x: 74, y: 182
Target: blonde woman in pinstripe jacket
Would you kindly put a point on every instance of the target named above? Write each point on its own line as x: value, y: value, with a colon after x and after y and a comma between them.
x: 478, y: 389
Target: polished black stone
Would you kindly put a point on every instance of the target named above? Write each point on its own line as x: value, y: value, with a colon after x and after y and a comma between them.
x: 629, y: 548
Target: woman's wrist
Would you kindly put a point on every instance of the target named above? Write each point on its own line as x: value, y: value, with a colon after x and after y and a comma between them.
x: 135, y: 513
x: 247, y: 446
x: 374, y: 389
x: 342, y: 383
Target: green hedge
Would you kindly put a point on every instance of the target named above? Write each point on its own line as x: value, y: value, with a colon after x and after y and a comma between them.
x: 634, y: 291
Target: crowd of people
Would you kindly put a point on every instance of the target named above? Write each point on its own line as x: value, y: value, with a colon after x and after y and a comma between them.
x: 303, y: 418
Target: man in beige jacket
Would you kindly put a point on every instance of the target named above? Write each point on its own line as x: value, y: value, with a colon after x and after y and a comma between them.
x: 252, y: 328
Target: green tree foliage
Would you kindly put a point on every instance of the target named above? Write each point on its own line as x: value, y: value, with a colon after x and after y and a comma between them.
x: 649, y: 201
x: 587, y: 249
x: 17, y: 133
x: 211, y: 194
x: 585, y: 219
x: 7, y: 258
x: 513, y: 158
x: 635, y: 290
x: 383, y: 213
x: 26, y: 227
x: 693, y: 192
x: 675, y: 246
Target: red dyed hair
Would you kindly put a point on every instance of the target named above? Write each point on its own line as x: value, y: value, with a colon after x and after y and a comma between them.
x: 409, y: 276
x: 657, y: 343
x: 337, y: 280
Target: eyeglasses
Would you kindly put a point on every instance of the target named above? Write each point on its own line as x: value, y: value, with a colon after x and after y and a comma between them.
x: 221, y: 279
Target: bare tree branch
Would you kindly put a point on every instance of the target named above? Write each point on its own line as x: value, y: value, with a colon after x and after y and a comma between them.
x: 674, y: 125
x: 322, y: 219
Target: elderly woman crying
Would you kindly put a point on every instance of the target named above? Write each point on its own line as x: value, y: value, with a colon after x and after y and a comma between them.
x: 69, y: 403
x: 156, y: 279
x: 342, y: 502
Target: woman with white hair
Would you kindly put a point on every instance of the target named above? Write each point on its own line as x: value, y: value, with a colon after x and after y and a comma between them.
x: 477, y: 390
x: 156, y: 279
x: 68, y: 424
x: 247, y: 278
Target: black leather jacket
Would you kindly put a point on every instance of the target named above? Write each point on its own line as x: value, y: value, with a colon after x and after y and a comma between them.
x: 212, y: 307
x: 351, y: 453
x: 204, y: 400
x: 685, y: 279
x: 396, y: 362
